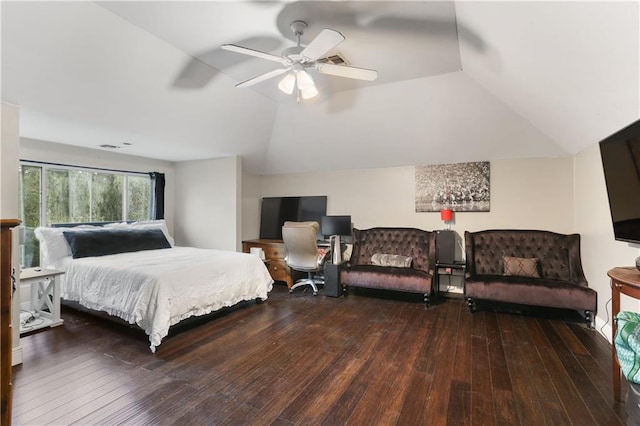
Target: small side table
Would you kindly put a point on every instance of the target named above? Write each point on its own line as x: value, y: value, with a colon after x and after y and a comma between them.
x: 624, y: 280
x: 45, y: 298
x: 455, y: 269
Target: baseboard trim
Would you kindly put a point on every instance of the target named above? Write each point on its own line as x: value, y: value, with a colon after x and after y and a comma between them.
x: 16, y: 356
x: 604, y: 328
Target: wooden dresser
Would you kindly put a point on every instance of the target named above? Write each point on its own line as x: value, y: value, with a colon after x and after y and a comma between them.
x: 274, y: 253
x: 6, y: 334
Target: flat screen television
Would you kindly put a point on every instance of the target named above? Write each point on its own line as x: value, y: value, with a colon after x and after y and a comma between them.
x: 620, y: 154
x: 276, y: 211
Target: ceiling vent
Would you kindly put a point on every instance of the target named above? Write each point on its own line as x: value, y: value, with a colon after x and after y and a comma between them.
x: 336, y: 59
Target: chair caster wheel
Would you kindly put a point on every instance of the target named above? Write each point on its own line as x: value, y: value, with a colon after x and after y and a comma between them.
x: 290, y: 291
x: 315, y: 293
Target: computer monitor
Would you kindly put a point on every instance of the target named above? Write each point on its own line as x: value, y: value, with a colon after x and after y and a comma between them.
x: 335, y: 225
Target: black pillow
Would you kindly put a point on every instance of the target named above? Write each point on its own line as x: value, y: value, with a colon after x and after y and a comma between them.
x: 112, y: 241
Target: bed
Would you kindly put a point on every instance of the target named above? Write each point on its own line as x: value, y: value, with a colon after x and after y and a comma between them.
x: 134, y: 272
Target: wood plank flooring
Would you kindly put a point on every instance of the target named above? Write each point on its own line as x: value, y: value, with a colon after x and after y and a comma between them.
x: 369, y: 358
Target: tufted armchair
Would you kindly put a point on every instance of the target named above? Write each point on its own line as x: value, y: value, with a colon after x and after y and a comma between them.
x: 401, y: 259
x: 527, y: 267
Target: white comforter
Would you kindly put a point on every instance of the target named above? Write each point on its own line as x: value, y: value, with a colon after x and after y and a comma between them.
x: 158, y: 288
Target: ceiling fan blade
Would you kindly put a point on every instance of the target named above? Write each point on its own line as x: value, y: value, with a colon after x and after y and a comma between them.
x: 262, y: 77
x: 324, y: 42
x: 346, y: 71
x: 252, y: 52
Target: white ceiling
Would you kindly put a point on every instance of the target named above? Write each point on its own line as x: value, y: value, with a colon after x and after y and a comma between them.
x: 458, y: 81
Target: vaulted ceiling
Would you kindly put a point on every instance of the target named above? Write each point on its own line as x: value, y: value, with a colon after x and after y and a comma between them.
x: 458, y: 81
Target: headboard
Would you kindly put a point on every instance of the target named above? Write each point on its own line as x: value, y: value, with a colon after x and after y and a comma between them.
x: 71, y: 225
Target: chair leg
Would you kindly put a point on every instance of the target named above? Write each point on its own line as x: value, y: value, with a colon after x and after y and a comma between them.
x: 471, y: 304
x: 308, y: 281
x: 588, y: 316
x: 426, y: 300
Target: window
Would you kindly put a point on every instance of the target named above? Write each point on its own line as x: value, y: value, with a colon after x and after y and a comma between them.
x: 138, y: 194
x: 74, y: 195
x: 30, y: 207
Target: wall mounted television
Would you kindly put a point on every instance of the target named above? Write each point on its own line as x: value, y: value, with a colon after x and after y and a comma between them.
x: 275, y: 211
x: 620, y: 155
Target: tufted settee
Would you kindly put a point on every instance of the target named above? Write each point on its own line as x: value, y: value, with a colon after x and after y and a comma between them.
x: 527, y: 267
x: 367, y: 266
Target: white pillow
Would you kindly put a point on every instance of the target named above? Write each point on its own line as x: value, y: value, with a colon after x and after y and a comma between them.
x: 53, y: 245
x: 160, y: 223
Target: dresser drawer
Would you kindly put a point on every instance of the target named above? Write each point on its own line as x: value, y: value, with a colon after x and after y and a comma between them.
x: 274, y: 252
x: 279, y: 270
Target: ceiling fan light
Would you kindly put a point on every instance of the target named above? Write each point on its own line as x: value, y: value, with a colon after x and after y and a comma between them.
x: 309, y: 92
x: 304, y: 80
x: 306, y: 85
x: 287, y: 83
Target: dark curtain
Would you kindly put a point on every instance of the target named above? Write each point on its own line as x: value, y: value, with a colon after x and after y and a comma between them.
x: 157, y: 195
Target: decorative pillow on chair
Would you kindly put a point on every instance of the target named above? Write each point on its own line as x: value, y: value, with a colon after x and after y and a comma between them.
x: 521, y: 266
x: 380, y: 259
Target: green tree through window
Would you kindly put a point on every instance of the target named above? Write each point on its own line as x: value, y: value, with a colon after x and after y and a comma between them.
x: 138, y: 194
x: 30, y: 206
x: 57, y: 196
x: 106, y: 197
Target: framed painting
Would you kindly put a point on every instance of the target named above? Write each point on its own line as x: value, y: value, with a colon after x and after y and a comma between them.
x: 461, y: 187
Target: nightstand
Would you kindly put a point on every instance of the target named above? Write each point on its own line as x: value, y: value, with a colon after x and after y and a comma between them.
x: 44, y: 305
x: 450, y: 269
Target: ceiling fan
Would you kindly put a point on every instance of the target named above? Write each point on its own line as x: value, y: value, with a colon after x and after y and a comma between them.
x: 297, y: 60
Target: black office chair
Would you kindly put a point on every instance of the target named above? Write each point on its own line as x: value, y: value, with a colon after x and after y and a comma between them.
x: 302, y: 252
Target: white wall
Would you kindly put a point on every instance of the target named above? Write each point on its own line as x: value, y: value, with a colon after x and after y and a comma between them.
x: 36, y: 150
x: 600, y: 251
x: 250, y: 206
x: 9, y: 193
x: 529, y: 193
x: 208, y: 198
x: 8, y: 162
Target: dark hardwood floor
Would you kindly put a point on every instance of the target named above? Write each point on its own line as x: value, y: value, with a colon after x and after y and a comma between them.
x: 299, y: 359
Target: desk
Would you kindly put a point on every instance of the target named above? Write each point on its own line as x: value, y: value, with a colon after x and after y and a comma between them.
x: 45, y: 298
x: 625, y: 280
